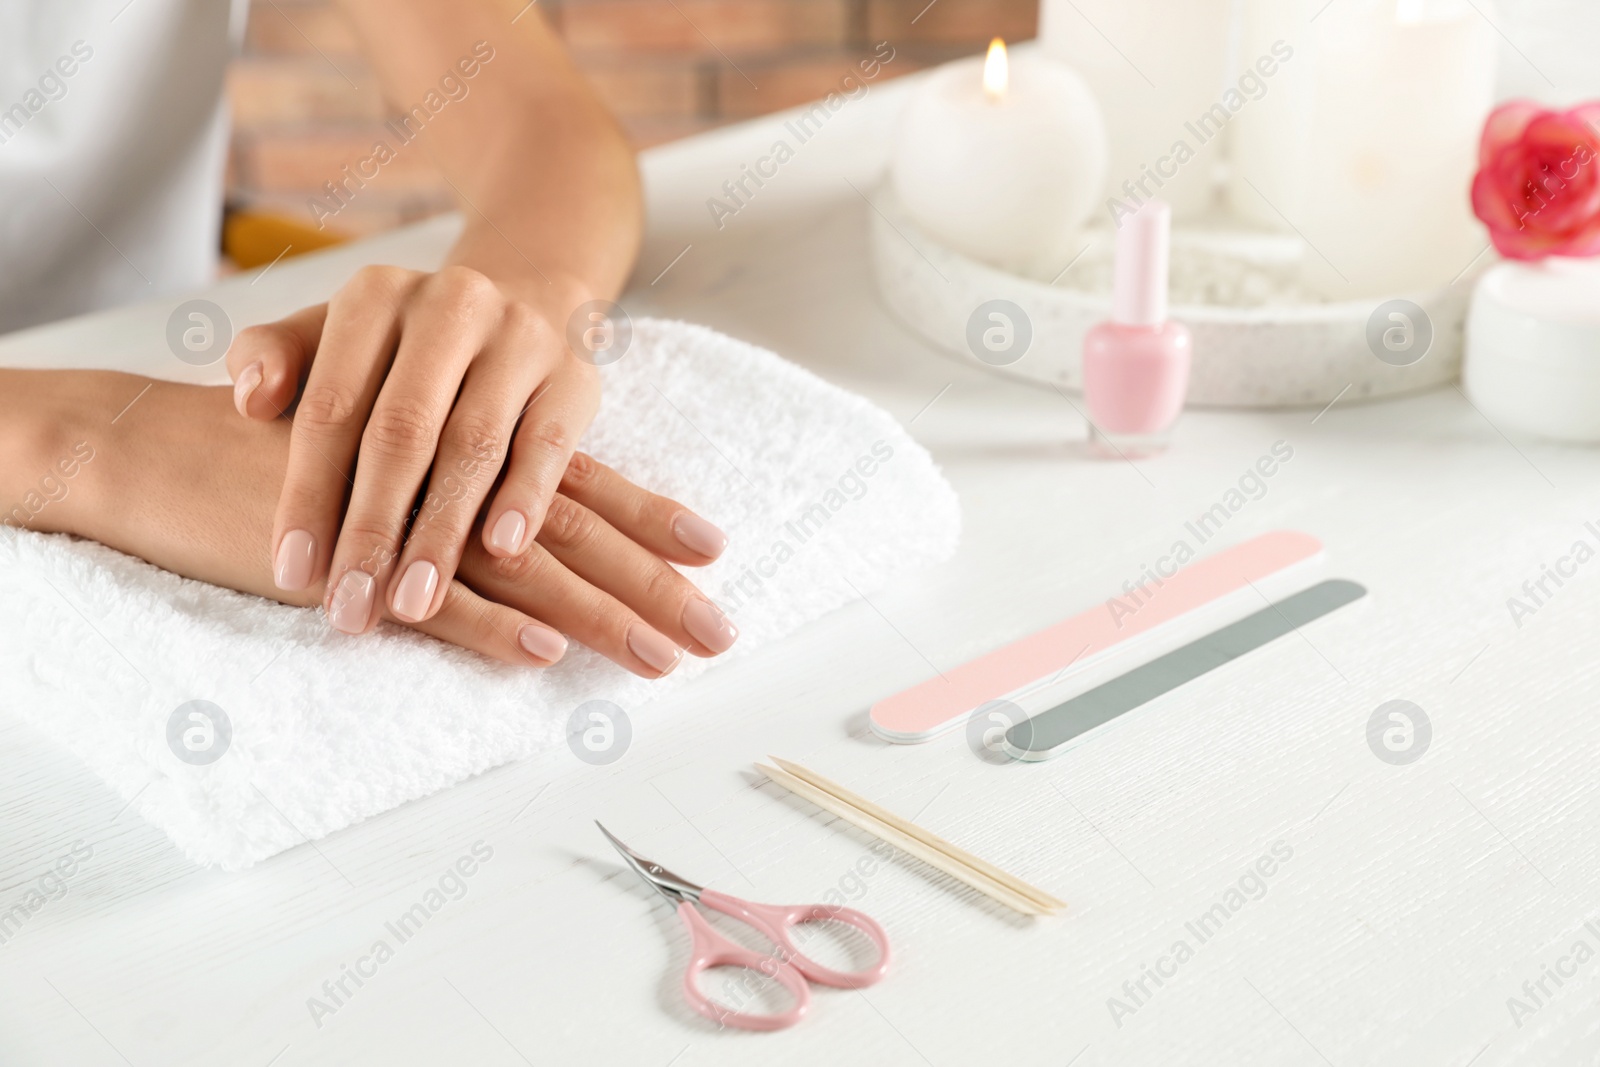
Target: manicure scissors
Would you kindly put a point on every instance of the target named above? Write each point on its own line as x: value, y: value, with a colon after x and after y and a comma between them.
x: 788, y: 966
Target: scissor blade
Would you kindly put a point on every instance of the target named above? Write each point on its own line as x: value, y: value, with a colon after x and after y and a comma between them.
x: 669, y: 885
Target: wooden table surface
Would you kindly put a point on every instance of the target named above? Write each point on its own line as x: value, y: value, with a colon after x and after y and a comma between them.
x: 1406, y: 905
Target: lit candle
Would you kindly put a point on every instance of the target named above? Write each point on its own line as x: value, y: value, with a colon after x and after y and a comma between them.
x: 1002, y: 158
x: 1402, y: 91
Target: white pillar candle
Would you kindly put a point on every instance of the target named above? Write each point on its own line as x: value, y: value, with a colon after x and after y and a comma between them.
x: 1270, y: 139
x: 1157, y: 67
x: 1402, y: 91
x: 1002, y: 158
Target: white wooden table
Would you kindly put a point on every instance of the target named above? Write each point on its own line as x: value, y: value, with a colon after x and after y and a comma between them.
x: 1416, y: 901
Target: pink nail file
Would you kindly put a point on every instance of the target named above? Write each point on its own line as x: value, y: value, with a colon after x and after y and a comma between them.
x: 1159, y: 613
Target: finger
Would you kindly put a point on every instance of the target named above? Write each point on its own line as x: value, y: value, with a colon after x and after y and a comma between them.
x: 495, y: 630
x: 472, y: 450
x: 357, y: 343
x: 536, y: 584
x: 444, y: 327
x: 595, y: 551
x: 268, y: 362
x: 555, y: 420
x: 657, y: 523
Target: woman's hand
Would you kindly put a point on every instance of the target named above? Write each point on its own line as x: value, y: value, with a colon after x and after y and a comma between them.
x: 181, y: 481
x: 465, y: 372
x: 404, y: 372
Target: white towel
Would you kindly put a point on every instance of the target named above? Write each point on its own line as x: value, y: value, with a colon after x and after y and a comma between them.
x: 822, y: 495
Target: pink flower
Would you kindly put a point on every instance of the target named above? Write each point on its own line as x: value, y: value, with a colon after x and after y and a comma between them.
x: 1538, y: 181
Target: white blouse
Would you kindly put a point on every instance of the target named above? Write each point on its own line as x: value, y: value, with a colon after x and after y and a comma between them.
x: 113, y: 142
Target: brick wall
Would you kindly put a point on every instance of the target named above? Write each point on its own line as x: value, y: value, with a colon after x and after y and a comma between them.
x: 667, y: 68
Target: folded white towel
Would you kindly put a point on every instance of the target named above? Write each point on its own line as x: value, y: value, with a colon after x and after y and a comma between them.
x: 821, y: 493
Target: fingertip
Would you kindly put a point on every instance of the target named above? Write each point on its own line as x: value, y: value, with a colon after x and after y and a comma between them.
x: 266, y: 362
x: 710, y: 626
x: 699, y: 536
x: 245, y: 388
x: 542, y: 644
x: 261, y: 408
x: 503, y: 537
x: 349, y: 603
x: 272, y: 398
x: 294, y: 564
x: 653, y: 649
x: 413, y: 596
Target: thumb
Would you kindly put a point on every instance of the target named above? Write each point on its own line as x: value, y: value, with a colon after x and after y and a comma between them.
x: 269, y: 362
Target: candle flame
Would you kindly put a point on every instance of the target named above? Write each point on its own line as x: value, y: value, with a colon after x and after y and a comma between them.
x: 996, y: 71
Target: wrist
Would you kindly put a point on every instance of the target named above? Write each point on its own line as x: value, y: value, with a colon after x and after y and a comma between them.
x: 169, y: 473
x: 554, y: 290
x: 556, y: 295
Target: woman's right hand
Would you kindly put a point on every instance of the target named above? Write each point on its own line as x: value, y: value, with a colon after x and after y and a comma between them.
x: 179, y: 480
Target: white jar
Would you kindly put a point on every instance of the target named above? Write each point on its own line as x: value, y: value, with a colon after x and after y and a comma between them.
x: 1533, y: 348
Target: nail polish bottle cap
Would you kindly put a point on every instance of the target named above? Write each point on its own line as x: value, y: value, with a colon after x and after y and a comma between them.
x: 1139, y: 283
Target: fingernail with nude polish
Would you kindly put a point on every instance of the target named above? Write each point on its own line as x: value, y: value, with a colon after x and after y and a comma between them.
x: 698, y: 535
x: 707, y: 624
x: 542, y: 643
x: 291, y: 568
x: 351, y: 606
x: 507, y: 533
x: 248, y: 382
x: 656, y: 651
x: 415, y: 592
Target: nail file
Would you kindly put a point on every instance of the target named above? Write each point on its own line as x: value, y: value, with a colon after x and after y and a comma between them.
x: 1052, y: 732
x: 1160, y: 613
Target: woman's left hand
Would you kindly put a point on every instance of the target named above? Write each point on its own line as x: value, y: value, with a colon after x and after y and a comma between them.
x: 408, y: 379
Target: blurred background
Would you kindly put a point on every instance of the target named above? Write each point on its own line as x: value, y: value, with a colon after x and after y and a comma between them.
x: 297, y: 119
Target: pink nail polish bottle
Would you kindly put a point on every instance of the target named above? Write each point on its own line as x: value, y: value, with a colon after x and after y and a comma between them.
x: 1136, y: 366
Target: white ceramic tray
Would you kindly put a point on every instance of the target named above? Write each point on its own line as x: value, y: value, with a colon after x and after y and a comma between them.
x: 1274, y: 355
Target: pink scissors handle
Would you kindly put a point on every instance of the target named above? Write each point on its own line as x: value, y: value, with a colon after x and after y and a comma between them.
x: 777, y: 921
x: 709, y: 949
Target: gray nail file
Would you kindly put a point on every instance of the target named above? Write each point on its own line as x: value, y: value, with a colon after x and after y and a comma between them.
x: 1052, y: 732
